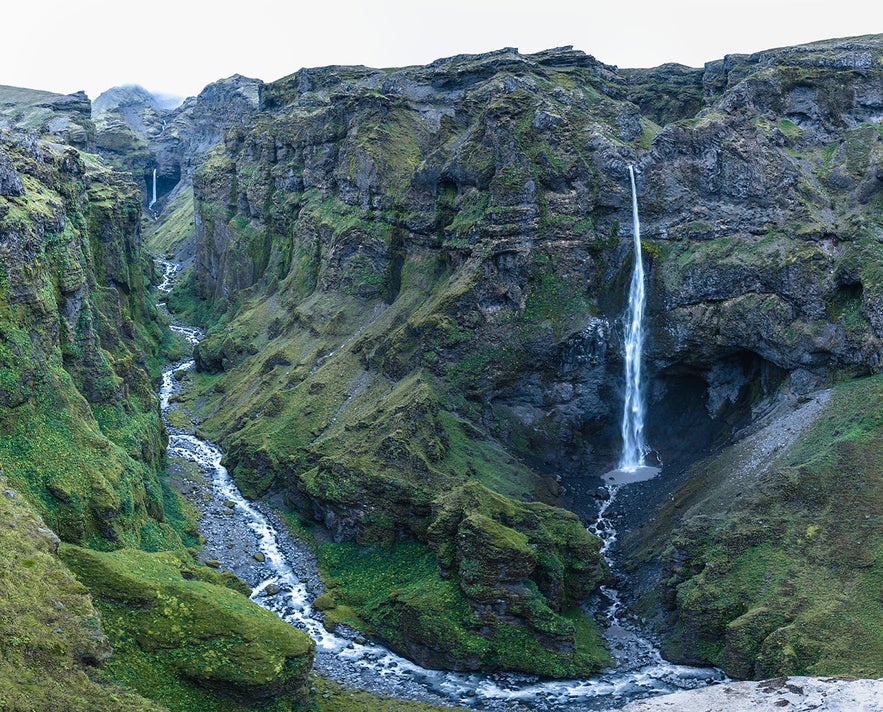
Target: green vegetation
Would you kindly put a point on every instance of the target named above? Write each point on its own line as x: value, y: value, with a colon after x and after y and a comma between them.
x: 780, y: 581
x: 381, y: 444
x: 51, y: 638
x: 183, y: 638
x: 81, y: 441
x: 81, y: 433
x: 789, y: 129
x: 174, y: 233
x: 396, y: 293
x: 393, y: 591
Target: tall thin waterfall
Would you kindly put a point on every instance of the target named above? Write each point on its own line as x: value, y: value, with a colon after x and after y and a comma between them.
x: 633, y: 446
x: 153, y: 199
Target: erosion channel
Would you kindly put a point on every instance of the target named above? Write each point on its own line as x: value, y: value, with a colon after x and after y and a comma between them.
x: 247, y: 538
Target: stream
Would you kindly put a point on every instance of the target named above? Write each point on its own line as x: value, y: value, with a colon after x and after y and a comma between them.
x: 247, y: 538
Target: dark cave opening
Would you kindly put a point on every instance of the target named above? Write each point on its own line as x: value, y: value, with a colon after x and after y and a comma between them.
x: 694, y: 409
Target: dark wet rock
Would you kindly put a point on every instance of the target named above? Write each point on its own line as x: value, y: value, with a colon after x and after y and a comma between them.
x: 10, y: 181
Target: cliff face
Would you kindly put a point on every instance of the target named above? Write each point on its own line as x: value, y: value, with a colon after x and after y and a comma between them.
x: 82, y: 444
x: 515, y: 168
x: 81, y: 431
x: 417, y: 276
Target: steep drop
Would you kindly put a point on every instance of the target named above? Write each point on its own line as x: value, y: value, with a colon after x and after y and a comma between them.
x: 633, y: 445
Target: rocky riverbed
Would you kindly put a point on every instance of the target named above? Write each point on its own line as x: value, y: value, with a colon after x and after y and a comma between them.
x: 820, y: 694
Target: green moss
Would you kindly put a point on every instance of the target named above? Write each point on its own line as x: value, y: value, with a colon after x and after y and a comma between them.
x: 175, y: 231
x: 50, y: 634
x: 786, y: 581
x: 85, y: 440
x: 554, y: 298
x: 789, y: 129
x: 471, y: 209
x: 858, y: 148
x: 168, y: 622
x: 397, y: 594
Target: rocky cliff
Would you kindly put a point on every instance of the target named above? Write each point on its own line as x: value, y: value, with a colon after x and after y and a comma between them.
x: 414, y: 279
x: 63, y: 118
x: 81, y: 431
x: 81, y: 456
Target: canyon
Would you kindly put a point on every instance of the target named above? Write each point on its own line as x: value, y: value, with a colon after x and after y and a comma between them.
x: 412, y: 284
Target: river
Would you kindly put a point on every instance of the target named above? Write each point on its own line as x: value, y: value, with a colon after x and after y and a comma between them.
x: 248, y: 539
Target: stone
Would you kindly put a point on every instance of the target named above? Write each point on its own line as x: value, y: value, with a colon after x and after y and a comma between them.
x: 10, y: 182
x: 258, y: 556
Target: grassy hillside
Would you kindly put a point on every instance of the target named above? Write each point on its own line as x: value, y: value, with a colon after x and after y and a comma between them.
x: 776, y: 569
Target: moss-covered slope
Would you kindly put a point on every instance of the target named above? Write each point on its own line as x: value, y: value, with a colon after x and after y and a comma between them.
x: 774, y: 567
x: 178, y: 629
x: 81, y: 434
x: 51, y: 639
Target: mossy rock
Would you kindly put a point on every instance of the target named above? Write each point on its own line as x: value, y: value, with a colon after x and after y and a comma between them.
x: 495, y: 541
x: 50, y: 632
x: 395, y: 592
x: 203, y: 632
x: 785, y: 579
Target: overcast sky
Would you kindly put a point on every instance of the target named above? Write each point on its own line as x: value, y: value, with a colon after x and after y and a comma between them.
x: 179, y: 46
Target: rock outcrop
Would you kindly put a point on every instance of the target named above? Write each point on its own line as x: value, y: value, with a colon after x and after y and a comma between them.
x: 50, y: 632
x: 181, y: 617
x: 63, y: 118
x: 80, y: 427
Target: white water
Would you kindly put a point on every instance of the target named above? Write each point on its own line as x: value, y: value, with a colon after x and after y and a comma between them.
x: 633, y: 445
x: 153, y: 199
x: 639, y: 671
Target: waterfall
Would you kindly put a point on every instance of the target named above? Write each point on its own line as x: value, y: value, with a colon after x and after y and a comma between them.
x: 153, y: 199
x: 633, y: 446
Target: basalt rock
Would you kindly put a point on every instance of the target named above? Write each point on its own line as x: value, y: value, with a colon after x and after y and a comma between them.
x: 62, y: 118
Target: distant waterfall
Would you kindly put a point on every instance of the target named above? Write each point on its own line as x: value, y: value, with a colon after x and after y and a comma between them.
x: 153, y: 199
x: 633, y: 446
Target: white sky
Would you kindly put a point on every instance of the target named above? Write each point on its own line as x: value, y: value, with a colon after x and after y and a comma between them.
x: 179, y: 46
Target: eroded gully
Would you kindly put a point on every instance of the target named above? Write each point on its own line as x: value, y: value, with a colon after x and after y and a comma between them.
x: 284, y: 579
